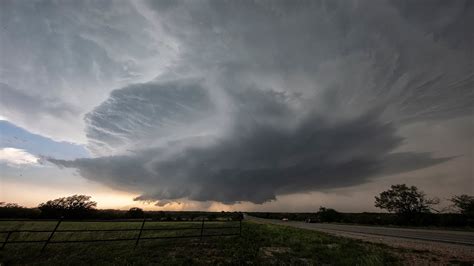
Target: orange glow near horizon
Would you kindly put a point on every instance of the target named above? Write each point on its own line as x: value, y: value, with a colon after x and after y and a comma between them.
x: 31, y: 195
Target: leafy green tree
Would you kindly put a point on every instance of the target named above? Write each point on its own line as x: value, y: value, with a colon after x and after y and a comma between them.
x: 405, y: 200
x: 465, y: 204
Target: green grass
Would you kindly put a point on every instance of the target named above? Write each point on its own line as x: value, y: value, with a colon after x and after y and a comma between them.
x: 260, y: 244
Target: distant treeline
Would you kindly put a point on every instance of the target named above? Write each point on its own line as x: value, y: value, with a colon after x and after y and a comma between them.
x: 371, y: 218
x: 110, y: 214
x: 81, y: 207
x: 407, y: 205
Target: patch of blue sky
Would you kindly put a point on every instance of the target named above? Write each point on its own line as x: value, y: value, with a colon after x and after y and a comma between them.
x: 16, y: 137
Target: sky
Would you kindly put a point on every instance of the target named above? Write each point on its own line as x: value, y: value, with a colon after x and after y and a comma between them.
x: 254, y: 105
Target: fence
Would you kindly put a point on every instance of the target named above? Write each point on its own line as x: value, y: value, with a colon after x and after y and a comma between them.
x: 137, y: 239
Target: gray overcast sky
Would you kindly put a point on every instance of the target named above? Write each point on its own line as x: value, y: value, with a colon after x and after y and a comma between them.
x: 220, y: 104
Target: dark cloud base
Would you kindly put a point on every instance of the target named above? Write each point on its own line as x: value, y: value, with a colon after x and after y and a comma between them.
x: 257, y: 162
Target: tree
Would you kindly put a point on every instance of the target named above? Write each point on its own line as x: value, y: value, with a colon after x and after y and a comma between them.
x: 465, y: 204
x: 9, y: 205
x: 76, y: 206
x: 405, y: 200
x: 328, y: 215
x: 135, y: 213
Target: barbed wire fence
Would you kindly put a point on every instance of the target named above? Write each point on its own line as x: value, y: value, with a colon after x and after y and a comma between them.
x: 224, y: 231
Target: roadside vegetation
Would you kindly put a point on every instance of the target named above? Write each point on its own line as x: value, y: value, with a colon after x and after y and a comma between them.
x: 406, y: 206
x: 260, y: 244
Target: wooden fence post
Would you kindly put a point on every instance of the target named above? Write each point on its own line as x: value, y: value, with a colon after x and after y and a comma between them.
x: 51, y: 235
x: 202, y: 228
x: 6, y: 240
x: 140, y: 233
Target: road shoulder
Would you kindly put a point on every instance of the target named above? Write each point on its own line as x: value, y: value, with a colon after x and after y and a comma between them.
x: 413, y: 252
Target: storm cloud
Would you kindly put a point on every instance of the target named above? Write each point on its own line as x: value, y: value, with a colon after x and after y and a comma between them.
x: 267, y: 98
x: 267, y: 150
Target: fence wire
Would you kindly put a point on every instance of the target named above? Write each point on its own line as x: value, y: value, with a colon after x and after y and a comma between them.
x: 139, y: 236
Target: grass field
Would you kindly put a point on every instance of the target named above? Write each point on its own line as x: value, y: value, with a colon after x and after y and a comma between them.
x: 259, y: 244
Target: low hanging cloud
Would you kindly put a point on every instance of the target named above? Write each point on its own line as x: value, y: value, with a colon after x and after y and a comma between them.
x: 268, y: 98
